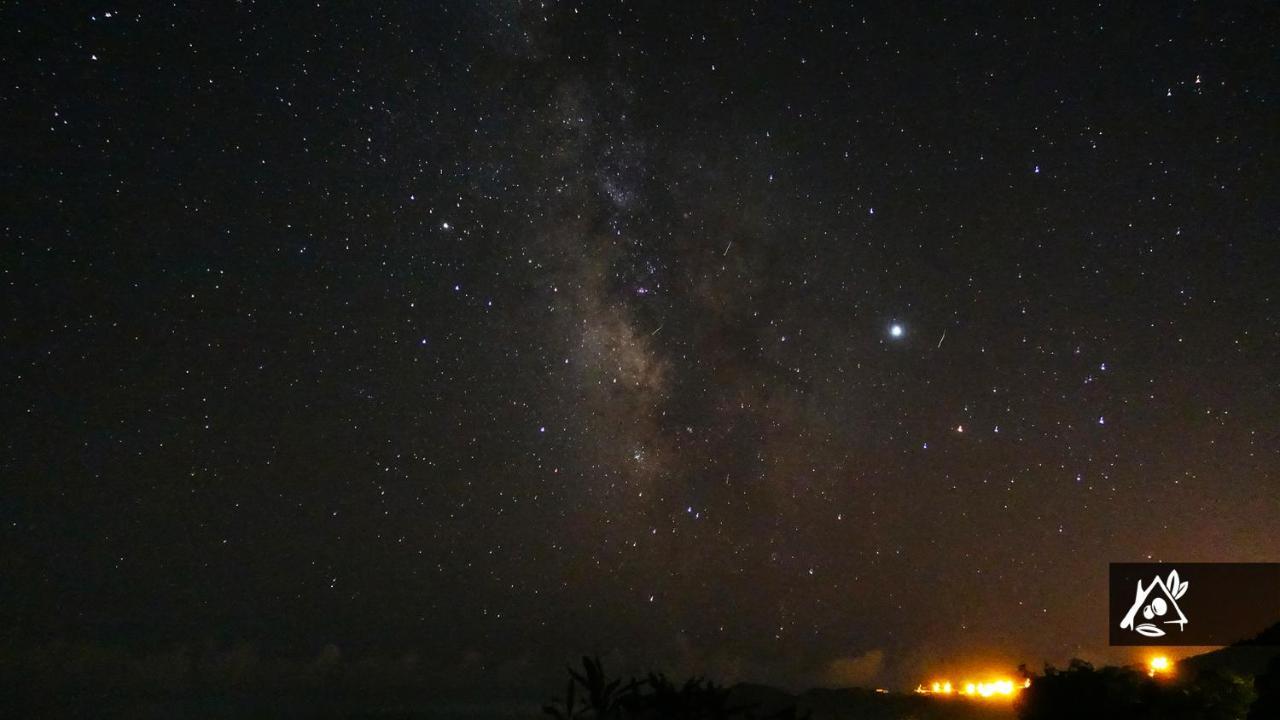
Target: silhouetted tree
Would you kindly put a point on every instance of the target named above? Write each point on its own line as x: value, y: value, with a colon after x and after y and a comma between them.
x: 1267, y: 687
x: 601, y: 697
x: 1113, y: 693
x: 696, y: 698
x: 591, y: 694
x: 568, y: 708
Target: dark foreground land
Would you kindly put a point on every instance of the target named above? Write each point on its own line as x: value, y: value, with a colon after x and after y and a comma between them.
x: 1080, y: 691
x: 1239, y: 682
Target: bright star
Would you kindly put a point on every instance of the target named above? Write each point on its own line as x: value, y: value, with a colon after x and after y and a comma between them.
x: 895, y: 330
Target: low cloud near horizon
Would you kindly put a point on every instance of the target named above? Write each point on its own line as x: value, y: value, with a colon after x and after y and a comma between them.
x: 855, y: 670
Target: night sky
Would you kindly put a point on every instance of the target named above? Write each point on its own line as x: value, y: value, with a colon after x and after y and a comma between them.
x: 800, y: 343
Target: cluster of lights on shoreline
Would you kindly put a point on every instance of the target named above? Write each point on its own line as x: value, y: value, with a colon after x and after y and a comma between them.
x: 991, y: 689
x: 1005, y: 688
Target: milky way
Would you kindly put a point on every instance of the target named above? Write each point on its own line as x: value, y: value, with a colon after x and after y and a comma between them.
x: 804, y: 345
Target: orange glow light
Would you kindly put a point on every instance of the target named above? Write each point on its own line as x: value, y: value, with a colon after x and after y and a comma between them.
x: 995, y: 689
x: 1159, y: 665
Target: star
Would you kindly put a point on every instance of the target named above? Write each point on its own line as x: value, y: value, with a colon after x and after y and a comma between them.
x: 896, y: 331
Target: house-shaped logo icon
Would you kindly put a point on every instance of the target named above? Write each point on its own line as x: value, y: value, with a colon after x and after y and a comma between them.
x: 1157, y: 601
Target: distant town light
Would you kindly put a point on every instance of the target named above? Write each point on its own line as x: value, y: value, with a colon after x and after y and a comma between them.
x: 1159, y: 665
x: 996, y: 689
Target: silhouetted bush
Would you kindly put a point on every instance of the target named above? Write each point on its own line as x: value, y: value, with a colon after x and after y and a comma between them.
x: 1267, y: 687
x: 590, y: 695
x: 1113, y: 693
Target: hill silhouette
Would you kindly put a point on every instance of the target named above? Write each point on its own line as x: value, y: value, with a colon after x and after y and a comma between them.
x: 592, y: 695
x: 1247, y: 657
x: 865, y: 704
